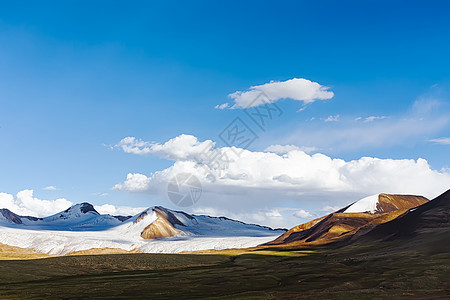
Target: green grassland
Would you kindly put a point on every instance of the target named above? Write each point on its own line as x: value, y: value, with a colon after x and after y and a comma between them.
x: 369, y: 271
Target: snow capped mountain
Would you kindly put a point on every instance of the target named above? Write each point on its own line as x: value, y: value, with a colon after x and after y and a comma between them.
x: 431, y: 218
x: 78, y: 217
x: 384, y: 203
x: 156, y: 229
x: 353, y: 220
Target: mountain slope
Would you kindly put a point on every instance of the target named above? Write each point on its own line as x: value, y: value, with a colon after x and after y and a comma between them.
x: 384, y: 203
x: 431, y: 217
x: 359, y: 217
x: 7, y: 216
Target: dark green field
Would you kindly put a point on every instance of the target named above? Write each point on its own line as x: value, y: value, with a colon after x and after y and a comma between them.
x: 371, y: 271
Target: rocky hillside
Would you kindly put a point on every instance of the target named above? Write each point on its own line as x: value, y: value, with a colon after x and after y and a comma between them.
x: 430, y: 218
x: 361, y: 216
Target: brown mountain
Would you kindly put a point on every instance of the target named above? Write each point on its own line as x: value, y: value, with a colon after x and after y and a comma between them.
x: 432, y: 217
x: 387, y: 203
x: 163, y: 226
x: 343, y: 225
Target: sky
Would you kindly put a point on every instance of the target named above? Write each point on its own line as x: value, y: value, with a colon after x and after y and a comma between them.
x: 107, y: 102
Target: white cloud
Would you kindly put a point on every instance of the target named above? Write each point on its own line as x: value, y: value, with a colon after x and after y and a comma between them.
x: 302, y: 108
x: 296, y: 89
x: 50, y: 188
x: 441, y: 141
x: 303, y: 214
x: 118, y: 211
x: 373, y: 118
x: 281, y: 149
x: 134, y: 183
x: 134, y: 146
x: 332, y: 118
x: 222, y: 106
x: 25, y: 204
x: 254, y: 180
x: 276, y: 218
x: 182, y: 147
x: 329, y: 209
x: 274, y: 213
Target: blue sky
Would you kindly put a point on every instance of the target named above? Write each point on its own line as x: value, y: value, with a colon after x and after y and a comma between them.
x: 76, y: 78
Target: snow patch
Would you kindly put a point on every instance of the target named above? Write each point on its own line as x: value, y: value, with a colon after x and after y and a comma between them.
x: 367, y: 204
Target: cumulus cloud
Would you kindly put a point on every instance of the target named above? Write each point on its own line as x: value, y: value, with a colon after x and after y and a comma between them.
x: 118, y: 211
x: 276, y: 217
x: 441, y: 141
x: 25, y: 204
x: 281, y: 149
x: 182, y: 147
x: 274, y: 213
x: 296, y: 174
x: 134, y: 183
x: 303, y: 214
x: 299, y: 89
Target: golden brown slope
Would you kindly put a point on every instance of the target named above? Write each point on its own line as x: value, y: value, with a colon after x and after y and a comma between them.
x: 339, y: 225
x: 163, y: 226
x: 388, y: 202
x: 11, y: 252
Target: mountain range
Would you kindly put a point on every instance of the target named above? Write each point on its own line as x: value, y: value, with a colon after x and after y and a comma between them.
x: 381, y: 217
x: 156, y: 229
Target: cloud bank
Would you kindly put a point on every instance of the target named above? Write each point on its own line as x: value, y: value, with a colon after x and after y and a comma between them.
x: 295, y: 170
x: 26, y: 205
x: 254, y: 180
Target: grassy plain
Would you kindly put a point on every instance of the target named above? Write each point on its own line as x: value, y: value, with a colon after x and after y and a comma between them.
x: 380, y: 271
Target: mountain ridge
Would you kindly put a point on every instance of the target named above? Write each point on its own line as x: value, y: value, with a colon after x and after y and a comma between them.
x: 156, y: 229
x: 361, y: 215
x: 434, y: 214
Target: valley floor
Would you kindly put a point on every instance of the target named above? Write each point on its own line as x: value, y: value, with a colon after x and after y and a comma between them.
x: 355, y: 272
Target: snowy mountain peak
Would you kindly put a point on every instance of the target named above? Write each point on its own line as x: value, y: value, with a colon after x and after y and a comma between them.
x: 384, y: 203
x: 82, y: 208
